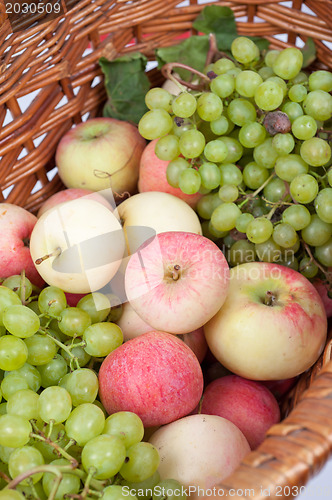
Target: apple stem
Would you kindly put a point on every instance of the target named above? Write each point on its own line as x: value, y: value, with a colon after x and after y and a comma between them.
x: 176, y: 272
x: 55, y: 253
x: 270, y: 298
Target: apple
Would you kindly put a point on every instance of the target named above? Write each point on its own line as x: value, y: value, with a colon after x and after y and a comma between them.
x: 247, y: 403
x: 272, y: 324
x: 71, y: 194
x: 16, y: 225
x: 197, y: 343
x: 323, y: 288
x: 280, y: 387
x: 155, y: 375
x: 177, y: 281
x: 67, y: 248
x: 101, y: 153
x: 199, y: 451
x: 152, y: 176
x: 146, y: 214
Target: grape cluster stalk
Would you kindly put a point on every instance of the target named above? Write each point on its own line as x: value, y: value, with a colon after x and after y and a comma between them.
x: 56, y: 439
x: 252, y: 136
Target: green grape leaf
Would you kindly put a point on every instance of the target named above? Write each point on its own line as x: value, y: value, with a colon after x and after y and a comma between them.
x: 220, y: 21
x: 309, y: 52
x: 125, y: 82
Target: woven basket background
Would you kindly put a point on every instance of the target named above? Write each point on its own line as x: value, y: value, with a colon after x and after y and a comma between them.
x: 54, y: 68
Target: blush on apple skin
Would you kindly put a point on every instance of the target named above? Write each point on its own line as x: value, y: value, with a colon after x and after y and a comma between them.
x: 247, y: 403
x: 152, y: 176
x: 155, y: 375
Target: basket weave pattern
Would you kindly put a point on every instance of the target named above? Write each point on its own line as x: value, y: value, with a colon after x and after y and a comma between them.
x: 55, y: 66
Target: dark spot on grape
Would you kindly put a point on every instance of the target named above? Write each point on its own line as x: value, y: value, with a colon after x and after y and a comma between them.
x: 212, y: 75
x: 178, y: 121
x: 277, y: 122
x: 126, y: 460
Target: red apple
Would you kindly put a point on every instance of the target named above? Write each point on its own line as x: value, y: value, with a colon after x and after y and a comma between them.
x: 101, y: 153
x: 155, y: 375
x: 272, y: 324
x: 280, y: 387
x: 197, y: 343
x: 177, y: 281
x: 152, y: 176
x: 16, y: 225
x: 322, y: 288
x: 247, y: 403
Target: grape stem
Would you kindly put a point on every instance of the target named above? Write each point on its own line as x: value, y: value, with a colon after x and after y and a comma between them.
x: 67, y: 349
x: 312, y: 259
x: 167, y: 69
x: 258, y: 190
x: 60, y: 451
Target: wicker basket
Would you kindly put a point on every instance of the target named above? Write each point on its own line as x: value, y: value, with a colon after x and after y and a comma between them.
x: 55, y: 67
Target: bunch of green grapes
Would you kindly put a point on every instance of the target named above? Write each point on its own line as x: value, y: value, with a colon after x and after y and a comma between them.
x: 55, y: 436
x: 252, y: 141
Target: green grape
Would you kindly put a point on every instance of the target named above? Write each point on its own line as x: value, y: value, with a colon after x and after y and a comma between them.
x: 270, y: 57
x: 173, y: 171
x: 52, y: 300
x: 159, y: 98
x: 315, y: 151
x: 169, y: 489
x: 40, y: 349
x: 230, y: 174
x: 221, y: 126
x: 298, y: 216
x: 154, y: 124
x: 23, y: 403
x: 207, y: 204
x: 323, y: 253
x: 254, y: 175
x: 264, y: 154
x: 292, y: 109
x: 275, y: 190
x: 20, y: 321
x: 3, y: 410
x: 323, y: 205
x: 77, y: 351
x: 283, y: 144
x: 15, y: 283
x: 53, y: 371
x: 126, y: 425
x: 316, y: 233
x: 210, y: 175
x: 329, y: 176
x: 284, y: 235
x: 84, y: 423
x: 22, y: 460
x: 297, y: 93
x: 13, y: 352
x: 82, y: 385
x: 209, y: 106
x: 192, y: 143
x: 223, y: 85
x: 318, y: 104
x: 228, y: 193
x: 13, y: 383
x: 14, y: 431
x: 241, y: 111
x: 31, y: 374
x: 55, y: 404
x: 240, y: 252
x: 269, y: 95
x: 252, y: 134
x: 70, y: 484
x: 288, y: 63
x: 320, y: 80
x: 142, y: 460
x: 215, y: 233
x: 102, y: 338
x: 301, y: 77
x: 6, y: 494
x: 44, y: 320
x: 235, y: 149
x: 190, y: 181
x: 167, y: 147
x: 7, y: 298
x: 304, y: 188
x: 280, y: 81
x: 224, y: 217
x: 184, y: 105
x: 287, y: 167
x: 116, y: 309
x: 246, y: 83
x: 106, y: 454
x: 56, y: 434
x: 73, y: 321
x: 117, y: 492
x: 223, y: 65
x: 307, y: 267
x: 259, y: 230
x: 242, y: 222
x: 244, y: 50
x: 5, y: 453
x: 32, y: 492
x: 215, y: 151
x: 304, y: 127
x: 265, y: 72
x: 181, y: 125
x: 269, y: 251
